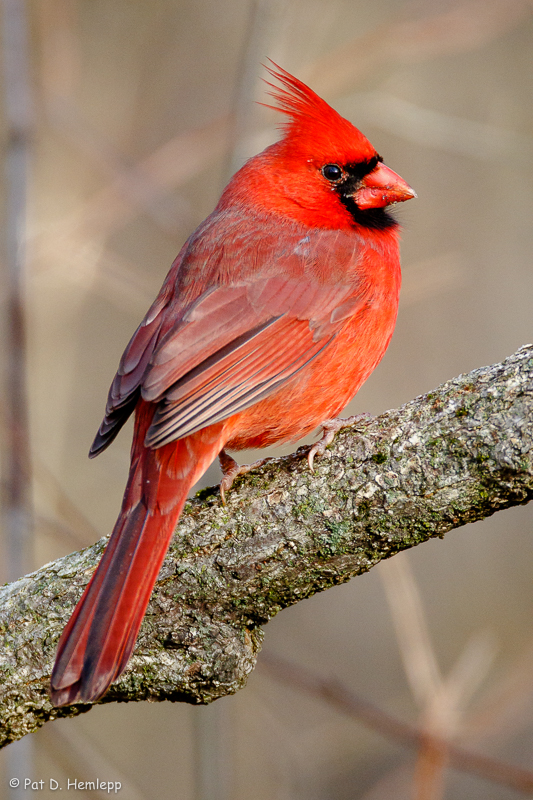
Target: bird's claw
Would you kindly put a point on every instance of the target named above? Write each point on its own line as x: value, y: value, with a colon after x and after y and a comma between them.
x: 329, y: 430
x: 230, y: 470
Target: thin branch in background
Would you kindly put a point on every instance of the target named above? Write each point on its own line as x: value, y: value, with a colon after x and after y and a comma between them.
x: 422, y: 671
x: 103, y: 272
x: 60, y: 49
x: 131, y: 180
x: 482, y: 141
x: 464, y: 27
x: 506, y: 709
x: 16, y: 511
x: 430, y: 769
x: 81, y: 237
x: 442, y: 716
x: 345, y: 701
x: 17, y: 109
x: 412, y: 633
x: 443, y: 701
x: 212, y: 752
x: 263, y: 24
x: 183, y: 157
x: 60, y: 65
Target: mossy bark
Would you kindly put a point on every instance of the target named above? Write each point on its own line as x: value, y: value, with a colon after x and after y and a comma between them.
x: 453, y: 456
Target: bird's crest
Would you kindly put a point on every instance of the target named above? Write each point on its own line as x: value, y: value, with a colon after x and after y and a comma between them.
x: 312, y: 120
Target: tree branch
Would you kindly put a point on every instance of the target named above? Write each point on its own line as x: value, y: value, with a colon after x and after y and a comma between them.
x: 453, y: 456
x: 340, y: 697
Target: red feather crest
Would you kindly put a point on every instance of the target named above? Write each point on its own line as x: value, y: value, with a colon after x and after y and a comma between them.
x: 312, y: 120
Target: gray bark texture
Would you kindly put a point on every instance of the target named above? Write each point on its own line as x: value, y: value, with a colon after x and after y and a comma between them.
x: 449, y: 457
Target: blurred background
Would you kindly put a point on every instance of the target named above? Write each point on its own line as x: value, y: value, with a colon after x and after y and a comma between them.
x: 134, y: 114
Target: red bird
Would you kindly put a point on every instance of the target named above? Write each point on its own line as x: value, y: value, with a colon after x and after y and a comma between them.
x: 275, y: 311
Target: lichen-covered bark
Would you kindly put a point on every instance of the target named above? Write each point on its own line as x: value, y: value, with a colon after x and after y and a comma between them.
x: 452, y: 456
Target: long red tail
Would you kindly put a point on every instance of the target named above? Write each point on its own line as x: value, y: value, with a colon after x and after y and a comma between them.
x: 100, y: 635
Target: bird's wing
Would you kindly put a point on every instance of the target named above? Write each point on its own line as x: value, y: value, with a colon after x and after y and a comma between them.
x: 125, y: 388
x: 230, y: 347
x: 243, y: 343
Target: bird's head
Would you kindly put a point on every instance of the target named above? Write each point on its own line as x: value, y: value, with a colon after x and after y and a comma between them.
x: 323, y: 172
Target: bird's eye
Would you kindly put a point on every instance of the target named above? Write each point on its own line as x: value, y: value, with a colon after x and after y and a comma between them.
x: 332, y: 172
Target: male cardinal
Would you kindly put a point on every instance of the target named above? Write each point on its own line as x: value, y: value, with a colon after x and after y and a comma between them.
x: 275, y: 311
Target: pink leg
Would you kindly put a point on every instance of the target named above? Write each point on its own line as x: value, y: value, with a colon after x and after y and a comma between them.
x: 230, y: 470
x: 330, y: 427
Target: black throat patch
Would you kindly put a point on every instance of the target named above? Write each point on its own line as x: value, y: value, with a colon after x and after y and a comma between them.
x: 375, y: 218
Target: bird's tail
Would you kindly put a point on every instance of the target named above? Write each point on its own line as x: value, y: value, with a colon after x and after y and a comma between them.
x: 100, y: 635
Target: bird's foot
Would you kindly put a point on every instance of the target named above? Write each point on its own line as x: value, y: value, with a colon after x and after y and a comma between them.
x: 329, y: 430
x: 230, y: 470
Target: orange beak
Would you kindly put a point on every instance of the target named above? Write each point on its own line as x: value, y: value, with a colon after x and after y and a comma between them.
x: 381, y: 187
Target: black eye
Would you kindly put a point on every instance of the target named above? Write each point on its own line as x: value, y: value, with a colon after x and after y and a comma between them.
x: 332, y: 172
